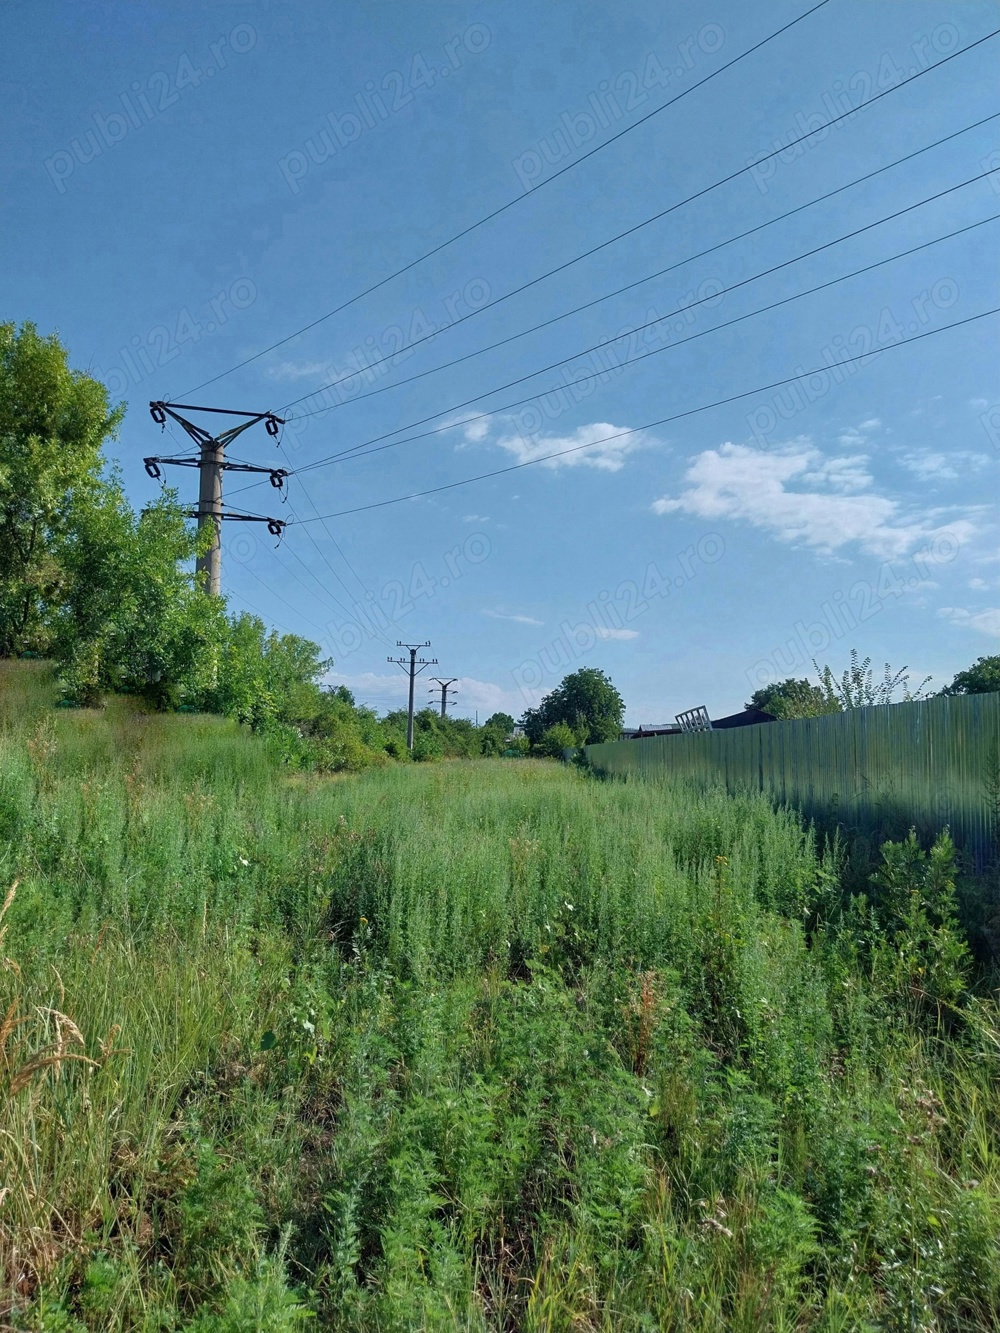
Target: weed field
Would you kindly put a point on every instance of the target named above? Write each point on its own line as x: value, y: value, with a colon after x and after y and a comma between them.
x: 482, y: 1045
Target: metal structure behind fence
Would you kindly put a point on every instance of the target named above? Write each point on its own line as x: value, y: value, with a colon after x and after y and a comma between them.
x: 874, y: 771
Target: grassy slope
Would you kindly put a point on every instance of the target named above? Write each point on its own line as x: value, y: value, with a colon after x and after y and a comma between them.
x: 470, y: 1046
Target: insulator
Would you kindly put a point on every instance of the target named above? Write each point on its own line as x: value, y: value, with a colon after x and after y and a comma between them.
x: 153, y: 469
x: 271, y: 426
x: 275, y: 527
x: 157, y: 413
x: 278, y: 478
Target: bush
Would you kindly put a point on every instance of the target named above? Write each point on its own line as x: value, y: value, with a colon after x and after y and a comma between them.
x: 556, y: 739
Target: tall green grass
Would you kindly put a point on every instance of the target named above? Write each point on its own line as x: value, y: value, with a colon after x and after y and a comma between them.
x: 465, y: 1046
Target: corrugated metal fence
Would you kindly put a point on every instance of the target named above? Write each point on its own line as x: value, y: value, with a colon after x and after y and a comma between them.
x: 874, y: 771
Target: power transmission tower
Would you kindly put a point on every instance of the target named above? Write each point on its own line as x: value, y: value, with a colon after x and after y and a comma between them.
x: 211, y: 463
x: 410, y: 666
x: 445, y: 687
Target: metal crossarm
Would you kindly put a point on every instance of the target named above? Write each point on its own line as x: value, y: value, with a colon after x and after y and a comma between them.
x: 211, y: 464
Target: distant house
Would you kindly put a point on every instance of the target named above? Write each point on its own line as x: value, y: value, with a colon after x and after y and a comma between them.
x: 746, y: 717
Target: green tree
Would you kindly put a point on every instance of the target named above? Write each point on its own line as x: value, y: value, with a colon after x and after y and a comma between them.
x: 500, y: 722
x: 983, y: 677
x: 793, y: 698
x: 53, y: 422
x: 586, y: 701
x: 129, y: 617
x: 494, y: 733
x: 556, y: 739
x: 265, y: 678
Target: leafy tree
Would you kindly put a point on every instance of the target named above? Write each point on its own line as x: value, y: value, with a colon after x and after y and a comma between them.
x: 793, y: 698
x: 495, y: 732
x: 856, y: 687
x: 434, y: 736
x: 53, y: 421
x: 264, y: 678
x: 586, y: 701
x: 983, y: 677
x: 340, y: 736
x: 557, y: 738
x: 129, y: 617
x: 500, y: 722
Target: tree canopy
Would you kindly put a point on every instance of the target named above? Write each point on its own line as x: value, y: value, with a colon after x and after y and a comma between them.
x: 586, y: 701
x: 793, y: 698
x: 53, y: 422
x: 983, y: 677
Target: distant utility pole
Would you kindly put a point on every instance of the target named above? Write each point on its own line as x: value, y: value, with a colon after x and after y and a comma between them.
x: 211, y: 463
x: 411, y: 668
x: 445, y: 687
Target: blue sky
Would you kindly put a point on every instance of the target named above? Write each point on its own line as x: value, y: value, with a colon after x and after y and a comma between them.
x: 186, y: 184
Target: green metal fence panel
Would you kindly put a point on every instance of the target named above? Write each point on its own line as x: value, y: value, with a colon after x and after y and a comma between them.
x: 874, y: 771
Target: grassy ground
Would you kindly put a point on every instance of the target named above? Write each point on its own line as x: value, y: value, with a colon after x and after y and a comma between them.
x: 466, y: 1046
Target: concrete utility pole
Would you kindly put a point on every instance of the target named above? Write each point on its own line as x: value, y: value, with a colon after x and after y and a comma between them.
x: 411, y: 667
x: 445, y: 687
x: 208, y: 566
x: 211, y: 463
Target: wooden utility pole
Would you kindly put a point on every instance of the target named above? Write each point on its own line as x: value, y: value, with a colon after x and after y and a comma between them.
x: 412, y: 666
x: 211, y: 464
x: 445, y: 687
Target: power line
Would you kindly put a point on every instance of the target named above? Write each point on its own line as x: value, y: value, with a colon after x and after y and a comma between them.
x: 231, y: 592
x: 267, y: 588
x: 331, y: 600
x: 466, y: 231
x: 598, y: 300
x: 376, y: 632
x: 362, y: 450
x: 663, y: 421
x: 322, y: 554
x: 607, y: 296
x: 697, y: 195
x: 366, y: 591
x: 369, y: 616
x: 363, y: 446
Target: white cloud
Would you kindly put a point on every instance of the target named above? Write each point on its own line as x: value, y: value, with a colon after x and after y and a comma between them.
x: 476, y: 431
x: 488, y: 697
x: 979, y: 404
x: 368, y: 685
x: 852, y: 437
x: 737, y: 482
x: 930, y: 466
x: 302, y: 370
x: 986, y: 622
x: 604, y: 632
x: 842, y: 474
x: 475, y: 518
x: 599, y: 445
x: 520, y: 620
